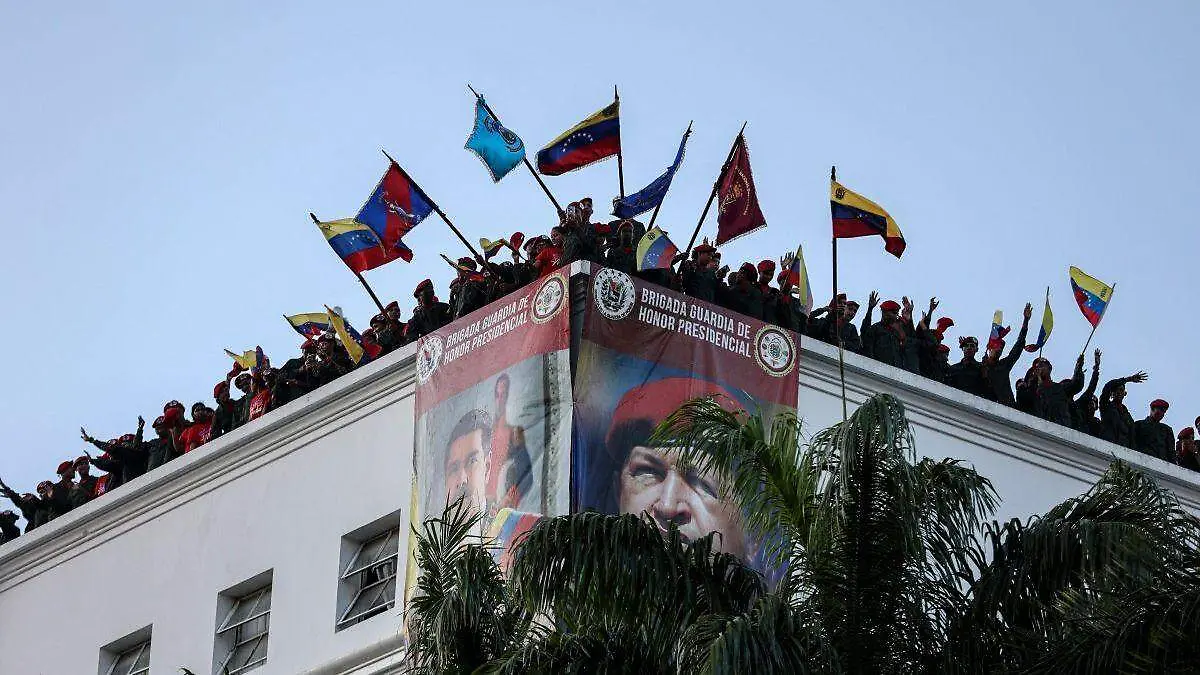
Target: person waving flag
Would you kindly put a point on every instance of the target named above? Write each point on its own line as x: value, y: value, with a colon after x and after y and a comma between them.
x: 1047, y: 327
x: 655, y: 251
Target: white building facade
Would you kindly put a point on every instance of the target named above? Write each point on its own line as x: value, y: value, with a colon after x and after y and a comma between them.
x: 281, y: 547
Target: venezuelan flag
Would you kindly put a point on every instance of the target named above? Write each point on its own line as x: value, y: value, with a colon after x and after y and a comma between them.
x: 352, y: 343
x: 491, y: 248
x: 797, y: 276
x: 309, y: 324
x: 249, y: 359
x: 1092, y: 295
x: 1047, y: 327
x: 592, y: 140
x: 857, y: 216
x: 356, y: 244
x: 999, y: 331
x: 655, y: 251
x: 507, y: 529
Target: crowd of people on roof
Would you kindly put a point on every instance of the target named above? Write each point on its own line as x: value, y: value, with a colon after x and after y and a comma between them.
x: 897, y: 338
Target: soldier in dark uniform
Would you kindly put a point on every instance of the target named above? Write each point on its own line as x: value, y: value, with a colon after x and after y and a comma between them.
x: 700, y: 276
x: 429, y: 315
x: 826, y: 323
x: 8, y: 527
x: 34, y: 508
x: 61, y: 493
x: 933, y: 359
x: 789, y: 311
x: 886, y: 340
x: 967, y: 374
x: 770, y: 295
x: 997, y: 369
x: 1152, y: 437
x: 128, y: 450
x: 85, y: 488
x: 225, y: 414
x: 468, y: 291
x: 1187, y: 453
x: 1053, y: 400
x: 622, y: 256
x: 244, y: 382
x: 1115, y: 420
x: 744, y: 295
x: 161, y: 448
x: 1083, y: 409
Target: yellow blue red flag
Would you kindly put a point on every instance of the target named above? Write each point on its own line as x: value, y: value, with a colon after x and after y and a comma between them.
x: 353, y: 347
x: 655, y: 251
x: 1092, y: 295
x: 593, y: 139
x: 309, y: 324
x: 1047, y: 326
x: 856, y: 216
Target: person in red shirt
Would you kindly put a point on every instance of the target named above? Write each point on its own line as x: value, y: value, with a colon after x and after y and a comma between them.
x: 549, y: 258
x: 200, y: 430
x: 260, y: 403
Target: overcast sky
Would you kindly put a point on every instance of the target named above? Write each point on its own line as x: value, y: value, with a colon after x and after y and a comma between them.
x: 160, y: 160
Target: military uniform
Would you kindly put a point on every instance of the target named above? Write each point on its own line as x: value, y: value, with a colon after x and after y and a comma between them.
x: 1053, y: 400
x: 1116, y: 424
x: 8, y: 527
x: 622, y: 258
x: 998, y: 375
x: 1155, y: 439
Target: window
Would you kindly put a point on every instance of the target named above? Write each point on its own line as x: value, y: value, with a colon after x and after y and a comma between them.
x: 128, y: 656
x: 368, y: 573
x: 244, y: 614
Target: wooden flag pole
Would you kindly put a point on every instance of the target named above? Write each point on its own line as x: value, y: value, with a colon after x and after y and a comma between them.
x: 1090, y: 335
x: 620, y: 154
x: 524, y: 159
x: 432, y: 203
x: 713, y: 195
x: 361, y: 280
x: 654, y: 215
x: 836, y: 319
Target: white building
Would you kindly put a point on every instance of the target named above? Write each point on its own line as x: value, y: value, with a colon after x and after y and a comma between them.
x: 258, y: 544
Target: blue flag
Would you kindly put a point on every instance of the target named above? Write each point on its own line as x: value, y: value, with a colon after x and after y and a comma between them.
x: 652, y: 195
x: 500, y: 149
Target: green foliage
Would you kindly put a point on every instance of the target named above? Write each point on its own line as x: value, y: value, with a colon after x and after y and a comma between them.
x: 892, y: 566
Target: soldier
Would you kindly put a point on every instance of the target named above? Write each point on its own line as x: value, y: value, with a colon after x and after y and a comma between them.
x: 61, y: 495
x: 1053, y: 400
x: 262, y: 403
x: 127, y: 451
x: 241, y: 405
x: 225, y: 415
x: 161, y: 448
x: 1152, y: 437
x: 467, y: 292
x: 85, y: 487
x: 744, y: 295
x: 429, y: 315
x: 199, y: 432
x: 770, y: 295
x: 1083, y: 409
x: 840, y: 320
x: 114, y: 468
x: 1186, y: 450
x: 997, y: 369
x: 933, y: 361
x: 789, y: 312
x: 967, y: 374
x: 1116, y: 422
x: 887, y: 341
x: 622, y: 256
x: 34, y: 509
x: 8, y: 527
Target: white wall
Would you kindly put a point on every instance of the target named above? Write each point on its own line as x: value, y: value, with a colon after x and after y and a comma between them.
x: 280, y: 494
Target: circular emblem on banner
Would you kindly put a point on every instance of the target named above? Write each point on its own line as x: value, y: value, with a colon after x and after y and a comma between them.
x: 549, y: 299
x: 614, y: 293
x: 774, y: 351
x: 429, y: 357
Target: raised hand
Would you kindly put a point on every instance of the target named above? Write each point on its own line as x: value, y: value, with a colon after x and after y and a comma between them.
x: 84, y: 435
x: 141, y: 422
x: 1138, y: 377
x: 1028, y: 311
x: 1096, y: 362
x: 786, y: 261
x: 933, y: 304
x: 872, y: 300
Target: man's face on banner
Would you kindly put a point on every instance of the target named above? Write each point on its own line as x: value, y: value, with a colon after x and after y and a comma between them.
x: 651, y: 481
x: 466, y: 469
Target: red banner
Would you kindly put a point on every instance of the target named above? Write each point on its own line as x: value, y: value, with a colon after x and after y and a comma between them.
x: 737, y: 200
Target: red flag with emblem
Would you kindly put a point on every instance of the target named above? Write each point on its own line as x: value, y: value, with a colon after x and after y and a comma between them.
x: 737, y: 200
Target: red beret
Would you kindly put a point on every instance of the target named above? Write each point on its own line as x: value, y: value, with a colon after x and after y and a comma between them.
x: 943, y: 349
x: 45, y: 485
x: 747, y: 270
x: 766, y: 266
x: 172, y: 404
x: 83, y: 460
x: 421, y: 286
x: 1159, y: 403
x: 125, y: 438
x: 944, y: 323
x: 889, y: 306
x: 309, y: 345
x: 1186, y: 433
x: 65, y: 467
x: 221, y: 386
x: 159, y: 421
x: 704, y: 247
x: 517, y: 239
x: 656, y: 400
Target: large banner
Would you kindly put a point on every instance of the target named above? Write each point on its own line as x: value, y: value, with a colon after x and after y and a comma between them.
x: 493, y: 407
x: 645, y: 350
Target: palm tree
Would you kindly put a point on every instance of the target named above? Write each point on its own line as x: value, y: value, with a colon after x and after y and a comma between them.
x: 886, y: 570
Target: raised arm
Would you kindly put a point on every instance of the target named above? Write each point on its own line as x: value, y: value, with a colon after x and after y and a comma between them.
x: 1076, y: 382
x: 1019, y: 346
x: 1091, y: 388
x: 872, y: 300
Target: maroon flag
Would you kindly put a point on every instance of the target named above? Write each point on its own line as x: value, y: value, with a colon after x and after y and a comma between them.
x: 737, y: 201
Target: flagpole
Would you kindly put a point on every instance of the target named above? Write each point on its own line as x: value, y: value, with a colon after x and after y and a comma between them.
x: 1097, y: 324
x: 840, y: 342
x: 432, y: 203
x: 664, y: 197
x: 1042, y: 347
x: 361, y: 280
x: 620, y: 154
x: 713, y: 195
x: 524, y: 159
